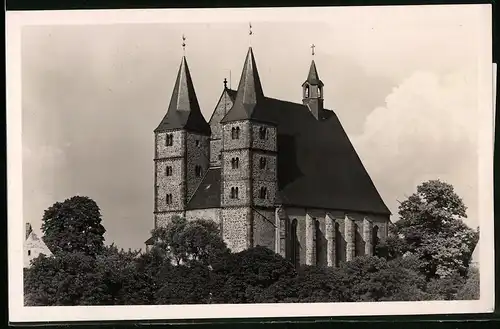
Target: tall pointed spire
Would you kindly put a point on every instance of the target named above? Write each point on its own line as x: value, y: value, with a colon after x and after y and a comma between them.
x: 250, y: 96
x: 184, y: 110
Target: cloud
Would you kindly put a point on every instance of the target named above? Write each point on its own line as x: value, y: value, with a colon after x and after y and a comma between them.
x: 426, y: 130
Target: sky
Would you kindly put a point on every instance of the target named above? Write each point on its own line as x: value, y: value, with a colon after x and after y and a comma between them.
x: 403, y: 81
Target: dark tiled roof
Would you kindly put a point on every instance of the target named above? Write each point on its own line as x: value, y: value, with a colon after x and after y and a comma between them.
x: 150, y: 241
x: 184, y: 111
x: 317, y: 165
x: 207, y: 195
x: 313, y: 76
x: 249, y: 102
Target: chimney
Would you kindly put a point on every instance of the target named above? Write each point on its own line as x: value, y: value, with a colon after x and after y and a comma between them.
x: 28, y: 230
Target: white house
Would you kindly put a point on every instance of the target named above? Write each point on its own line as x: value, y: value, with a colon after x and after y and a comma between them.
x: 33, y: 246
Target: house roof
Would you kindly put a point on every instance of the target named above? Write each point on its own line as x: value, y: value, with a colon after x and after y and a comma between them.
x: 208, y: 193
x: 317, y: 165
x: 250, y: 100
x: 184, y: 110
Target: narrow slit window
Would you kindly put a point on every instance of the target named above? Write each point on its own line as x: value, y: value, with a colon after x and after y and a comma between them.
x: 169, y: 140
x: 262, y: 163
x: 235, y: 163
x: 197, y: 170
x: 168, y: 198
x: 263, y: 133
x: 168, y: 171
x: 263, y: 193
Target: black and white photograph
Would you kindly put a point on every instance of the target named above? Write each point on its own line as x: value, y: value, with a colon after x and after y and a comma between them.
x: 250, y: 163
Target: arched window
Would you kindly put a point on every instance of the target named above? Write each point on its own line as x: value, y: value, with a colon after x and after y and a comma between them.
x: 375, y: 238
x: 263, y: 192
x: 168, y: 198
x: 168, y: 171
x: 197, y: 142
x: 197, y: 170
x: 235, y: 163
x: 294, y: 244
x: 306, y: 92
x: 169, y: 140
x: 29, y: 252
x: 263, y: 133
x: 319, y: 92
x: 234, y: 193
x: 235, y: 132
x: 262, y: 163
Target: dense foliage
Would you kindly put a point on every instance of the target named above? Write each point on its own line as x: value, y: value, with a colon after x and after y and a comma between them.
x: 425, y: 257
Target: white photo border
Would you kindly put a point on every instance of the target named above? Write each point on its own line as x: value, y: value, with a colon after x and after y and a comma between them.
x: 20, y: 313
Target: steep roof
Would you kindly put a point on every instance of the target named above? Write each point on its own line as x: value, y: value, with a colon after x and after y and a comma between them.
x: 207, y: 195
x: 313, y: 76
x: 317, y: 165
x: 184, y: 110
x: 249, y: 102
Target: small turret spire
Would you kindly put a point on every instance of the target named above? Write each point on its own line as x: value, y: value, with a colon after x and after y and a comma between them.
x: 312, y: 90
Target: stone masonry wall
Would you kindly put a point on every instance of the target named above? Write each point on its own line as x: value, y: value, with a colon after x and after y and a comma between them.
x: 235, y: 227
x: 178, y: 144
x: 169, y: 184
x: 213, y: 214
x: 270, y: 197
x: 242, y: 172
x: 270, y: 173
x: 197, y: 154
x: 220, y: 111
x: 264, y: 233
x: 162, y: 219
x: 244, y: 139
x: 267, y: 144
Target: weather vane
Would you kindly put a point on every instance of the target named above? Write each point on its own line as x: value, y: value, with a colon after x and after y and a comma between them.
x: 312, y: 48
x: 184, y: 43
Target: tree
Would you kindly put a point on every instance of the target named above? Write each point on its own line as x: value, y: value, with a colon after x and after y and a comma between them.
x: 471, y: 289
x: 74, y: 225
x: 190, y: 241
x: 431, y: 227
x: 249, y: 273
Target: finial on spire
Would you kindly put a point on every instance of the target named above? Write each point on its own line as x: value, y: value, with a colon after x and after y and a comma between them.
x: 250, y: 29
x: 312, y: 48
x: 184, y: 44
x: 225, y: 83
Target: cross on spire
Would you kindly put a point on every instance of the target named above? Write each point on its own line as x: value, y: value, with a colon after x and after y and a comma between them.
x: 225, y: 83
x: 312, y: 48
x: 184, y: 44
x: 250, y: 29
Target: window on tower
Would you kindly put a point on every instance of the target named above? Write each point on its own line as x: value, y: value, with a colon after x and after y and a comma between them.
x: 263, y: 192
x: 168, y: 198
x: 197, y: 171
x: 306, y: 92
x: 169, y: 140
x: 235, y: 163
x: 319, y: 92
x: 168, y: 171
x: 235, y: 132
x: 197, y: 142
x: 29, y: 252
x: 263, y: 133
x: 234, y: 193
x: 262, y: 163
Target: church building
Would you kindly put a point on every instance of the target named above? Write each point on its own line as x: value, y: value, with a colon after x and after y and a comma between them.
x: 270, y: 172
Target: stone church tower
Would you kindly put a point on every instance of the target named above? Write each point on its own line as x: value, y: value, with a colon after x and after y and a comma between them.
x: 249, y: 164
x: 182, y: 141
x: 269, y: 172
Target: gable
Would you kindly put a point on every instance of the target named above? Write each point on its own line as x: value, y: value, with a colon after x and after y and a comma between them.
x: 223, y: 106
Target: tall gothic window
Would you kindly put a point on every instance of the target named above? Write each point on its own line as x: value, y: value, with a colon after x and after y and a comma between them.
x: 168, y: 171
x: 168, y: 198
x: 263, y: 192
x: 197, y: 170
x: 263, y: 133
x: 169, y: 140
x: 306, y: 92
x: 319, y: 92
x: 294, y: 244
x: 262, y: 163
x: 375, y: 238
x: 234, y: 193
x: 235, y: 132
x: 235, y: 163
